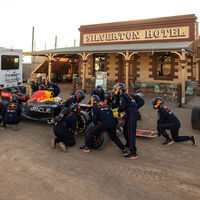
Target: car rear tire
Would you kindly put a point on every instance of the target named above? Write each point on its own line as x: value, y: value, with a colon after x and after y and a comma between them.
x: 100, y: 140
x: 195, y: 117
x: 84, y: 119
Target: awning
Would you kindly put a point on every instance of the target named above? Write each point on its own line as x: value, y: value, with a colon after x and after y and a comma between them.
x: 140, y: 47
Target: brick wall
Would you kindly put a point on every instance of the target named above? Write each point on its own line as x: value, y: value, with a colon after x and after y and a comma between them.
x: 143, y: 69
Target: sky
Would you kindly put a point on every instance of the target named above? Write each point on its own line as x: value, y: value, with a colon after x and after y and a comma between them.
x: 62, y: 18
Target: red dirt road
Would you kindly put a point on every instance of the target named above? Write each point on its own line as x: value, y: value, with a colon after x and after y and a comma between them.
x: 31, y: 170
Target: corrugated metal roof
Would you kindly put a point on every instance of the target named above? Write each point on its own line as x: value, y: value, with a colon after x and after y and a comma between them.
x: 116, y: 48
x: 7, y: 49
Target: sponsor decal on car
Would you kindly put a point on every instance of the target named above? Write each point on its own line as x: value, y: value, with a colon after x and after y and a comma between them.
x: 41, y: 110
x: 6, y: 94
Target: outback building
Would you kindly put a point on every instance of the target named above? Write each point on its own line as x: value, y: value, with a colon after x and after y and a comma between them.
x: 152, y: 51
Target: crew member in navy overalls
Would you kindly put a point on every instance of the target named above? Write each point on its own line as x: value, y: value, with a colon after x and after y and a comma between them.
x: 103, y: 119
x: 116, y: 96
x: 168, y: 121
x: 111, y: 99
x: 51, y: 87
x: 139, y: 102
x: 12, y: 112
x: 108, y: 96
x: 99, y: 92
x: 128, y: 105
x: 65, y: 127
x: 34, y: 86
x: 76, y: 98
x: 1, y: 112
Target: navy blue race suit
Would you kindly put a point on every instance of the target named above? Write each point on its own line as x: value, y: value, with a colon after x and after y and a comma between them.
x: 1, y: 112
x: 64, y: 130
x: 113, y: 102
x: 101, y: 96
x: 168, y: 121
x: 128, y: 105
x: 54, y: 88
x: 139, y: 102
x: 70, y: 101
x: 102, y: 116
x: 11, y: 114
x: 34, y: 87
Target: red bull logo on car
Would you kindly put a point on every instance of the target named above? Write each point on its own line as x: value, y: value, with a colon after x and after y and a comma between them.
x: 41, y: 96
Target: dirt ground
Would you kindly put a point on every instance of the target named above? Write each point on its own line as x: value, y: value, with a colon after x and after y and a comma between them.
x: 31, y: 170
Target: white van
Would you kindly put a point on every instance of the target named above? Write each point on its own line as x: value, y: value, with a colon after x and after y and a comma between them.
x: 10, y: 68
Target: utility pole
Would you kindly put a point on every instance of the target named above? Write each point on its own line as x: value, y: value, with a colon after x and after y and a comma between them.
x: 55, y: 42
x: 74, y: 42
x: 32, y: 49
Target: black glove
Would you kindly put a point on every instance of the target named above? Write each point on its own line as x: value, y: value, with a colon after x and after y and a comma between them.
x: 73, y: 132
x: 125, y: 116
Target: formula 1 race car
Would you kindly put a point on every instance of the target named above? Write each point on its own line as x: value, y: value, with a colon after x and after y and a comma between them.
x: 41, y: 106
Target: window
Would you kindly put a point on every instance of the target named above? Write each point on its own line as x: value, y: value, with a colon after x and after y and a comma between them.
x: 99, y: 63
x: 9, y: 62
x: 163, y: 65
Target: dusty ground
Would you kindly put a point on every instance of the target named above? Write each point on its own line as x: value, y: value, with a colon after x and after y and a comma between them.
x: 30, y: 169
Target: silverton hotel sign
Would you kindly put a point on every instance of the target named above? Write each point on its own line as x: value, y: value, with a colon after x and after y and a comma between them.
x: 137, y: 35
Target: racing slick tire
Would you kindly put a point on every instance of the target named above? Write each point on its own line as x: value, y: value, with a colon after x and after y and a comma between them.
x: 100, y: 140
x: 195, y: 117
x: 83, y: 120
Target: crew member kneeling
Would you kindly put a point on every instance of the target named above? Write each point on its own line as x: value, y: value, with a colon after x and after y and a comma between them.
x: 50, y: 86
x: 168, y: 121
x: 12, y: 112
x: 65, y: 128
x: 104, y: 121
x: 34, y: 86
x: 99, y: 91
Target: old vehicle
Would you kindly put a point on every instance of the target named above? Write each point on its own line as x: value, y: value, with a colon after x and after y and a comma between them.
x: 10, y: 72
x: 10, y: 67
